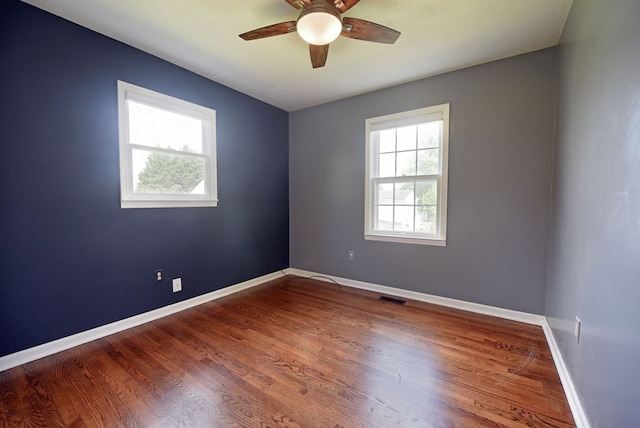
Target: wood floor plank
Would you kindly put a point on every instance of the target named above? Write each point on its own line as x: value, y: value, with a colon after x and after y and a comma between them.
x: 297, y: 352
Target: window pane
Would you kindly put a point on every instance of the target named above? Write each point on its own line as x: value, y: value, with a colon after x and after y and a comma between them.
x: 150, y: 126
x: 387, y: 165
x: 426, y: 219
x: 407, y: 138
x: 429, y: 134
x: 406, y: 163
x: 158, y: 172
x: 384, y: 218
x: 426, y: 192
x: 428, y: 161
x: 403, y: 220
x: 384, y: 194
x: 404, y: 194
x: 387, y: 140
x: 405, y: 185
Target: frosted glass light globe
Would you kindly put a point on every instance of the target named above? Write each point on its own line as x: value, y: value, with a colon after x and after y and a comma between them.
x: 319, y: 28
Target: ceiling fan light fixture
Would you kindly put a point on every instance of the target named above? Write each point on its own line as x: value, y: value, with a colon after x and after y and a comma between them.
x: 319, y: 24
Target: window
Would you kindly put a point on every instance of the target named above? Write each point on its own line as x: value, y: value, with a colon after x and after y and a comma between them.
x: 167, y: 151
x: 406, y: 176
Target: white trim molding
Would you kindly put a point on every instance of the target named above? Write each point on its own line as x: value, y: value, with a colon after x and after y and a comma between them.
x: 428, y: 298
x: 577, y: 410
x: 50, y: 348
x: 579, y: 415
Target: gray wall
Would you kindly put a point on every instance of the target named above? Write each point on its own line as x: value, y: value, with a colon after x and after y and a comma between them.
x: 595, y: 241
x: 501, y: 143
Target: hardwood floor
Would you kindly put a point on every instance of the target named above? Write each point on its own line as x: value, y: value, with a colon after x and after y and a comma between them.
x: 297, y: 353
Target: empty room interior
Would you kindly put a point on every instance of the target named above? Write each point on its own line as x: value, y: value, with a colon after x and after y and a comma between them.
x: 440, y: 229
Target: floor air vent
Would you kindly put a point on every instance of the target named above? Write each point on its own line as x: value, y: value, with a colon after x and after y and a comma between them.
x: 392, y: 300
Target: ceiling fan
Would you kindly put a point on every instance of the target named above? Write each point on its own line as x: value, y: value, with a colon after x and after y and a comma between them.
x: 320, y: 22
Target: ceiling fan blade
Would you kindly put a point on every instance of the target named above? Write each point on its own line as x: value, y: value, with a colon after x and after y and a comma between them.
x: 344, y: 5
x: 318, y: 55
x: 299, y: 4
x: 270, y: 30
x: 369, y: 31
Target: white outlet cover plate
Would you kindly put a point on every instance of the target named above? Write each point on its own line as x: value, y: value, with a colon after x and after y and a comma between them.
x: 177, y: 284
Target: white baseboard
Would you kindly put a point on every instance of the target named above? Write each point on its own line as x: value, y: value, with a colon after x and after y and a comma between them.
x: 428, y: 298
x: 50, y: 348
x: 577, y: 410
x: 46, y: 349
x: 579, y: 416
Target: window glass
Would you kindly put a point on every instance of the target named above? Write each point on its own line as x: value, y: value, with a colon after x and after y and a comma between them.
x: 406, y: 191
x: 167, y: 151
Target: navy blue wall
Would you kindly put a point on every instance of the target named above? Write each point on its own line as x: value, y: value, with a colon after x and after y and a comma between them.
x: 70, y: 258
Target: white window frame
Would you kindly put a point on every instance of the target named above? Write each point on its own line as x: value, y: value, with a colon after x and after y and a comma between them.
x: 428, y: 114
x: 131, y: 199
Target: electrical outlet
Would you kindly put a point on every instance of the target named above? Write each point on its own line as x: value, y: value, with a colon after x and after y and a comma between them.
x: 351, y: 255
x: 576, y: 329
x: 158, y: 273
x: 177, y: 284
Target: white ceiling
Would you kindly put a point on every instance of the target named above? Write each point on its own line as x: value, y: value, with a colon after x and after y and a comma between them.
x: 437, y: 36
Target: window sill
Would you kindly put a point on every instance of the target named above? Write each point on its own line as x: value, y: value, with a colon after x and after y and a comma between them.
x: 406, y: 239
x: 168, y: 204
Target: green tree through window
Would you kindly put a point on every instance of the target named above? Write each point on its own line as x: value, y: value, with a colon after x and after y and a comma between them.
x: 169, y: 173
